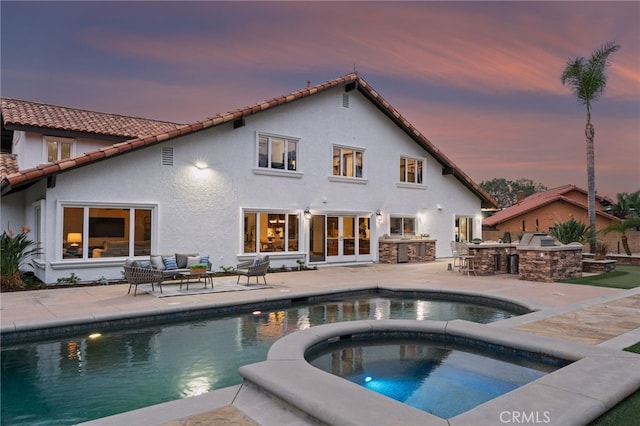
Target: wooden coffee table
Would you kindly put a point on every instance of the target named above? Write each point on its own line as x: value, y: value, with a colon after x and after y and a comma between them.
x: 207, y: 275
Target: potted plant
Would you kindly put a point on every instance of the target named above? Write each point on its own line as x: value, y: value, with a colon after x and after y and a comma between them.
x: 198, y: 268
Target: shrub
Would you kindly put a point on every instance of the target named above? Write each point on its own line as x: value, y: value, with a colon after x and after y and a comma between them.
x: 571, y: 231
x: 14, y: 251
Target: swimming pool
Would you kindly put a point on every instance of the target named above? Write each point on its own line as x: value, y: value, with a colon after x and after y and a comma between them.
x: 81, y: 378
x: 444, y: 379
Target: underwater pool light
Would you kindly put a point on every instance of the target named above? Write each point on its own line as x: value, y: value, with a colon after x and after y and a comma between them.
x: 367, y: 379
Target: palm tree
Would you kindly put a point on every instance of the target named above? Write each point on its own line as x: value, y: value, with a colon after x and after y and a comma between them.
x: 587, y: 80
x: 631, y: 222
x: 627, y: 204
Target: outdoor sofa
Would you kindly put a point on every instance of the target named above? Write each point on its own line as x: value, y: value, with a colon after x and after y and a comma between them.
x: 173, y: 264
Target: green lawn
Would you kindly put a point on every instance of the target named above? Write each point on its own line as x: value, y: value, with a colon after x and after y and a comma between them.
x: 625, y: 413
x: 625, y: 276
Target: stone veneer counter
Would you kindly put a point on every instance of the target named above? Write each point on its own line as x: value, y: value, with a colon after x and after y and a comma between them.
x: 491, y: 258
x: 549, y: 264
x: 402, y: 250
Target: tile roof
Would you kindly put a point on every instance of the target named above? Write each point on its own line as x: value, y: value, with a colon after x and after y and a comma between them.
x: 538, y: 200
x: 11, y: 183
x: 8, y: 164
x: 18, y: 113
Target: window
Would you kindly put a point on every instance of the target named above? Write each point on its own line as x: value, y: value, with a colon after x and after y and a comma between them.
x: 348, y: 162
x: 99, y: 232
x: 277, y: 153
x: 59, y: 148
x: 403, y: 226
x: 411, y: 170
x: 266, y: 232
x: 464, y: 228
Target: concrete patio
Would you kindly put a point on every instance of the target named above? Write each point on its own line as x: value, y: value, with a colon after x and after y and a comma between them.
x: 592, y: 316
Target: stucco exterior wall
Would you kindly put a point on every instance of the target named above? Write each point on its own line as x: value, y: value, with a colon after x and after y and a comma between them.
x: 31, y: 152
x: 200, y: 211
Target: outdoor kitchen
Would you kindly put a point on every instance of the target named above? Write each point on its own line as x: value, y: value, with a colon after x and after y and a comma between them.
x: 540, y: 258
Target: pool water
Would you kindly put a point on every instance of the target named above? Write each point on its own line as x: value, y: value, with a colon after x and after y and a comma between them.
x: 442, y: 379
x: 82, y: 378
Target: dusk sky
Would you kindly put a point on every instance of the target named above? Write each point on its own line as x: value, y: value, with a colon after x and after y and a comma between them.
x: 481, y: 80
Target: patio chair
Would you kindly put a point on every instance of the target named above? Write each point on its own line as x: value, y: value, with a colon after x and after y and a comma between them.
x: 136, y: 275
x: 455, y: 253
x: 254, y: 268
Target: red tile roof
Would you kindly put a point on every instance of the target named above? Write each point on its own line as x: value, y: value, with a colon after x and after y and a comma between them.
x: 540, y: 199
x: 13, y: 182
x: 8, y: 164
x: 17, y: 113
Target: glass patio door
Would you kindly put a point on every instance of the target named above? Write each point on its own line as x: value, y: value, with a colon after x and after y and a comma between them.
x: 337, y: 239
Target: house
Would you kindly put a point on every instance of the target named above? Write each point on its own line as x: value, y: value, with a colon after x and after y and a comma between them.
x: 541, y: 211
x: 314, y: 176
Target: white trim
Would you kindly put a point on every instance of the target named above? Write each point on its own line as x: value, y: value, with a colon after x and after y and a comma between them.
x: 345, y: 179
x: 277, y: 172
x: 407, y: 185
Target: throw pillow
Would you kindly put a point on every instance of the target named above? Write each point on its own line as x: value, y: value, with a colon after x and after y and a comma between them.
x: 192, y: 260
x: 257, y: 260
x: 157, y: 263
x: 170, y: 262
x: 144, y: 264
x: 181, y: 259
x: 204, y: 259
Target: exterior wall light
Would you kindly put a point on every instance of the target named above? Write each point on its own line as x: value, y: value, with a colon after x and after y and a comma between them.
x: 201, y: 164
x: 378, y: 215
x: 307, y: 213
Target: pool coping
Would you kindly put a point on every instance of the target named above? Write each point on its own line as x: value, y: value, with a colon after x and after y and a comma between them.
x: 13, y: 333
x: 596, y: 380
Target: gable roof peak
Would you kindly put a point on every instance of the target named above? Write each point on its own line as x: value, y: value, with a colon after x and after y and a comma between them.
x: 14, y: 182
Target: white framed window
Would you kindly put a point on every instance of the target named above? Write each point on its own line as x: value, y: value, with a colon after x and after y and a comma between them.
x: 348, y: 162
x: 105, y: 231
x: 58, y: 148
x: 411, y: 170
x: 402, y: 226
x: 271, y: 231
x: 277, y: 152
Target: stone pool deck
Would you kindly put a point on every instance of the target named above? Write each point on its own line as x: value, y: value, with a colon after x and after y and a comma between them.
x: 595, y: 316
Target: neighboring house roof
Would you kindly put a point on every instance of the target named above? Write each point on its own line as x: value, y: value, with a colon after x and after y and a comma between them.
x: 541, y: 199
x: 25, y: 115
x: 351, y: 81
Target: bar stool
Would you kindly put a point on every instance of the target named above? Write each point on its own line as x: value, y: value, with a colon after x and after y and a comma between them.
x: 467, y: 264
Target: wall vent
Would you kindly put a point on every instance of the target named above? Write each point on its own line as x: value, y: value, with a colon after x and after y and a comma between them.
x: 345, y: 100
x: 167, y: 156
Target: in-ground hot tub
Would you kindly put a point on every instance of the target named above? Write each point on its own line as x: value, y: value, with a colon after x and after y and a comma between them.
x: 594, y: 380
x: 433, y: 374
